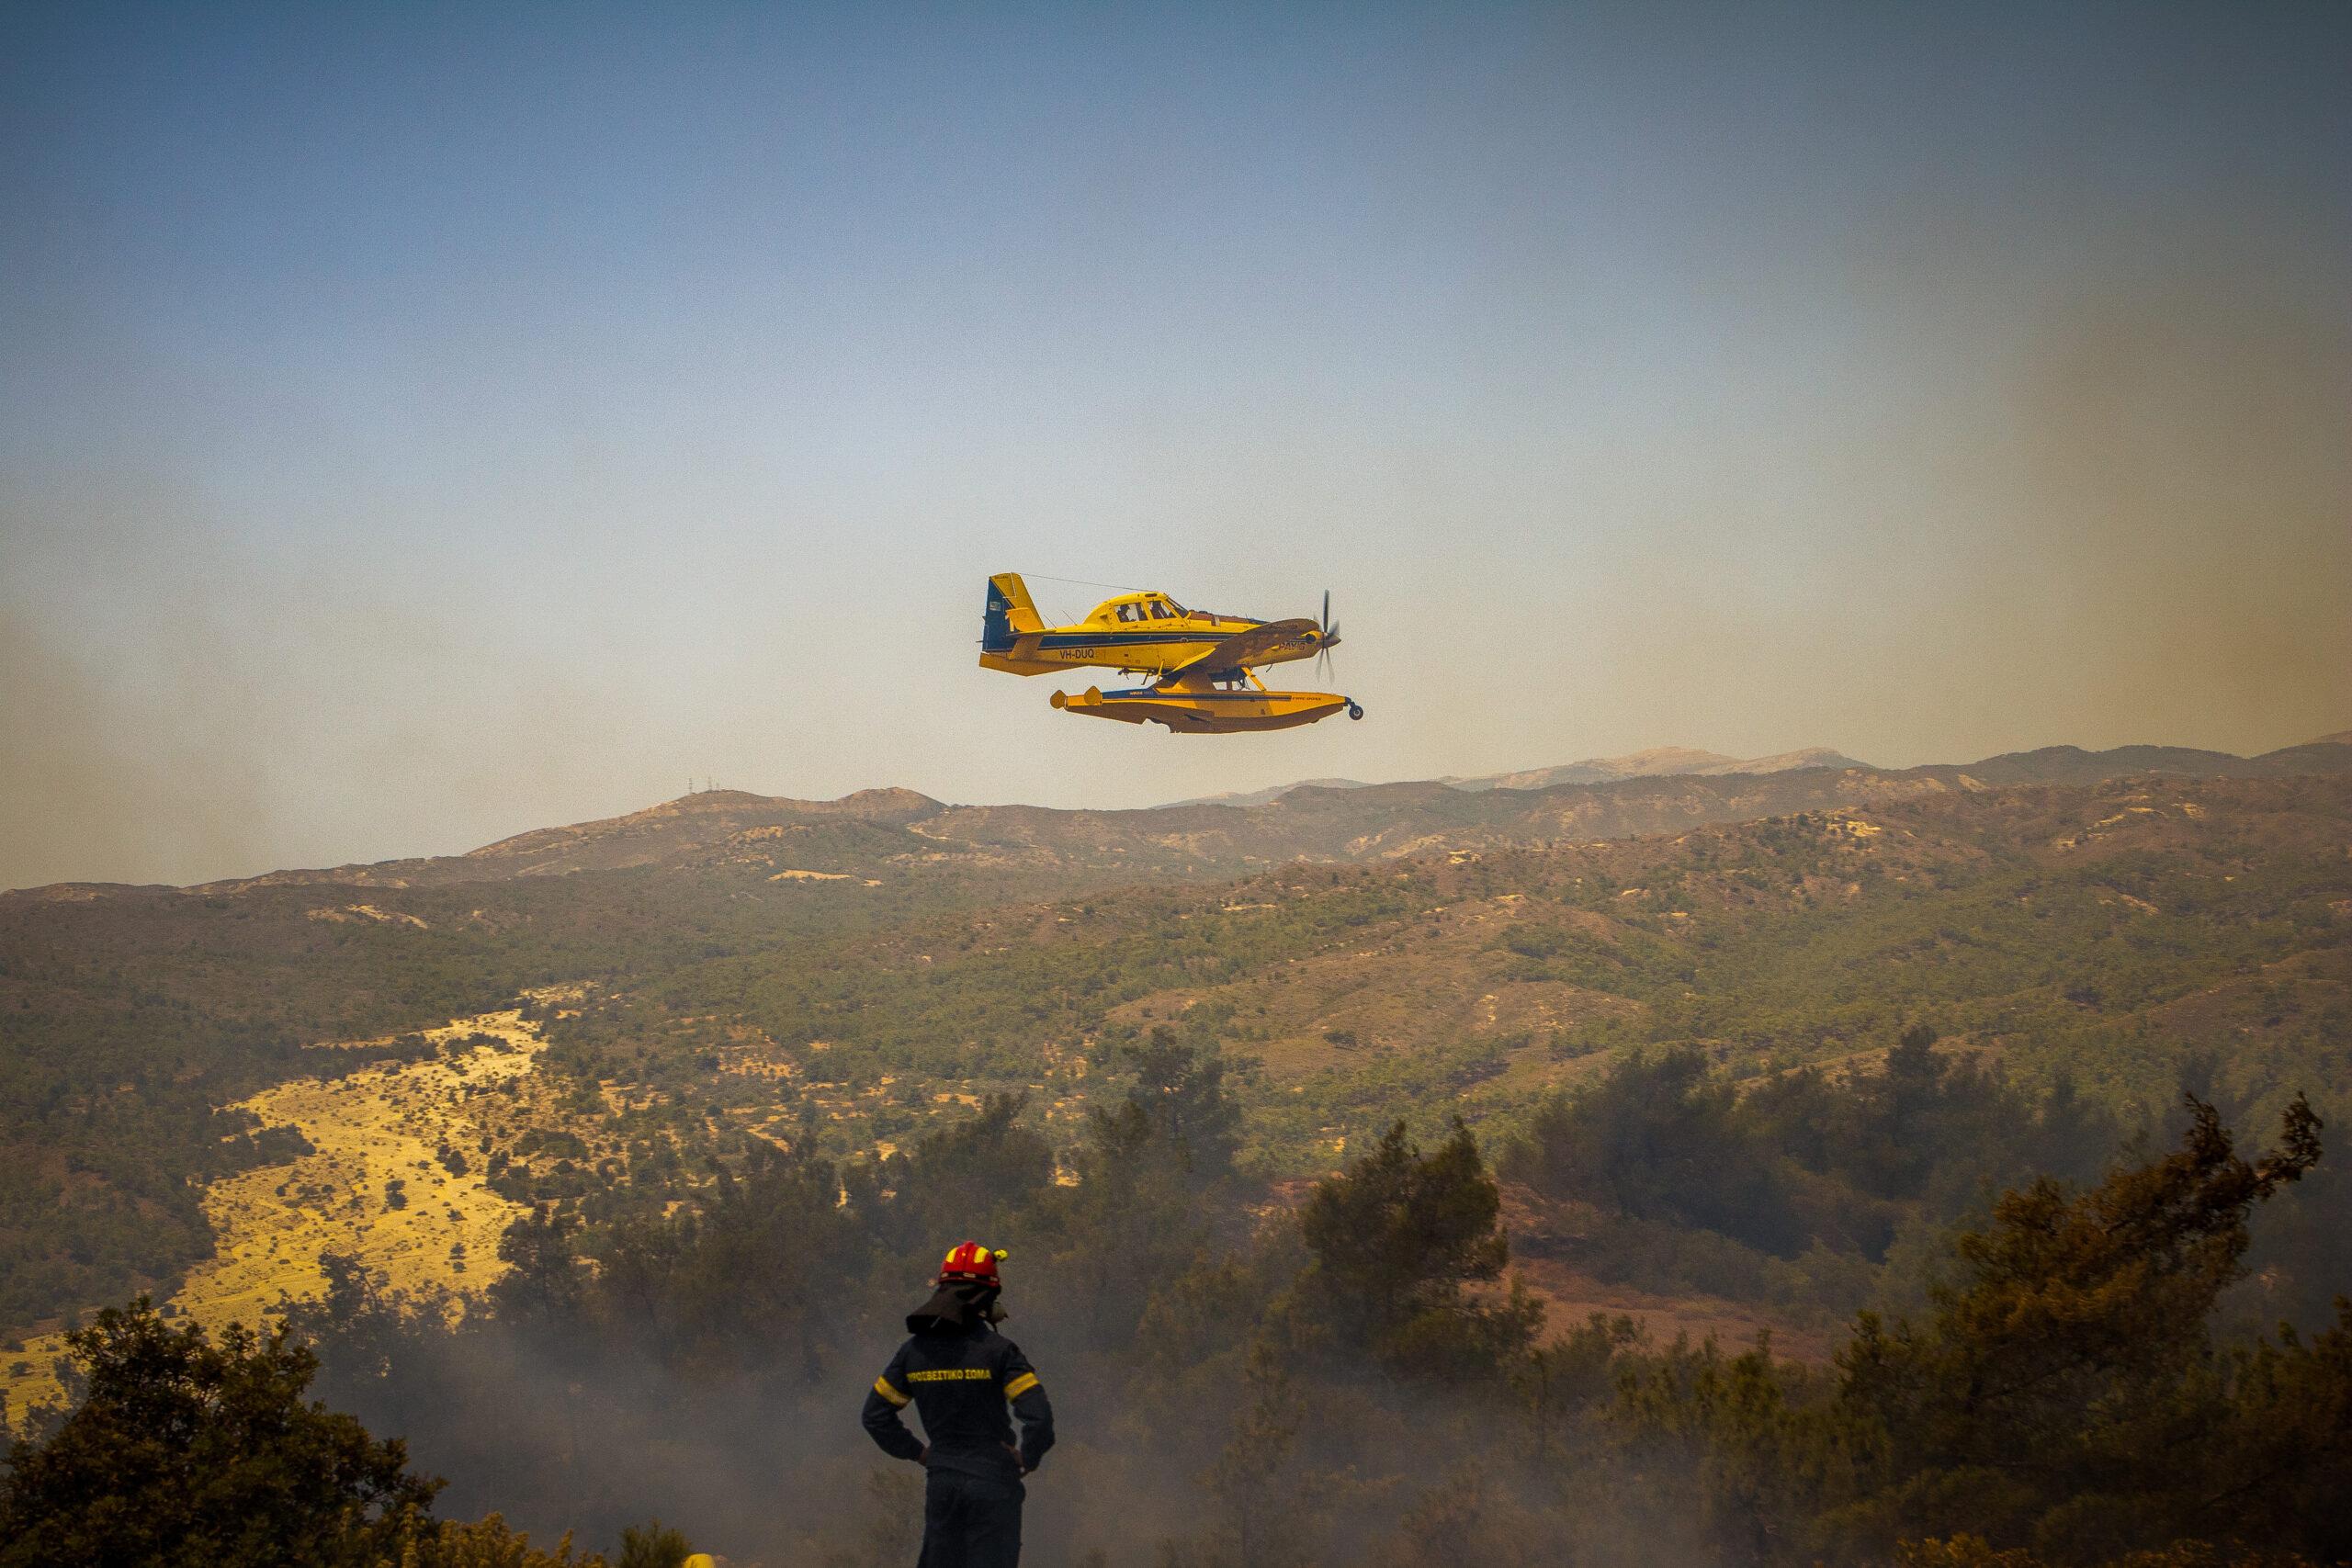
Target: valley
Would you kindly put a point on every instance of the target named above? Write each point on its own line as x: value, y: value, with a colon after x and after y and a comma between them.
x: 630, y: 1128
x: 841, y: 978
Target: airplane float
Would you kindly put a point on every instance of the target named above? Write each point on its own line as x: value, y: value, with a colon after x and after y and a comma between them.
x: 1205, y: 665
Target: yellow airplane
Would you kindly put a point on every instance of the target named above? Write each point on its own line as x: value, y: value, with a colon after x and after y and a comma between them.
x: 1206, y: 663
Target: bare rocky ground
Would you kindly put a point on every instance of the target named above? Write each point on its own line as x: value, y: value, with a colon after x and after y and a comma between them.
x: 1571, y: 1298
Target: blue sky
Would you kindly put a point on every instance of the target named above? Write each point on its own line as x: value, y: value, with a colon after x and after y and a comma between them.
x: 420, y: 423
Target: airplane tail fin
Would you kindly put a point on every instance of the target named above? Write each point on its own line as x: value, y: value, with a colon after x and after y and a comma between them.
x: 1010, y: 613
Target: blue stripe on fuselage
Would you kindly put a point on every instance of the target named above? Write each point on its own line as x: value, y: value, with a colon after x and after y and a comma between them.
x: 1127, y: 639
x: 1153, y: 695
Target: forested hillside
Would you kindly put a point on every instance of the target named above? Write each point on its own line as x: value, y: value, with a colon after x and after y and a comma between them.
x: 739, y: 1066
x: 1351, y: 1376
x: 2102, y: 934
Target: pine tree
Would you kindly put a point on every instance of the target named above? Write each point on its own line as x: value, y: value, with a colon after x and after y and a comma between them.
x: 1397, y: 1237
x: 189, y: 1452
x: 2069, y: 1397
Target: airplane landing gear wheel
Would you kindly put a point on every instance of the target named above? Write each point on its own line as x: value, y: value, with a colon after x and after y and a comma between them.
x: 1355, y: 710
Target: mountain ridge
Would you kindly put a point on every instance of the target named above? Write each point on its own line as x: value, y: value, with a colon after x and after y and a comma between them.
x: 878, y: 836
x: 2046, y: 765
x: 1656, y: 762
x: 1661, y: 761
x: 1405, y: 948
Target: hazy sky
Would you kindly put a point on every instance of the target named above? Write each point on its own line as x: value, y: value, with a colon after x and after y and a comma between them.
x: 420, y: 423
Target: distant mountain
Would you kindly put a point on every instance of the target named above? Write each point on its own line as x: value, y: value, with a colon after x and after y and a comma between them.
x: 699, y: 829
x: 1383, y: 949
x: 1661, y: 761
x: 1270, y: 793
x: 2050, y: 764
x: 2325, y: 754
x: 898, y: 838
x: 2071, y: 764
x: 1394, y: 950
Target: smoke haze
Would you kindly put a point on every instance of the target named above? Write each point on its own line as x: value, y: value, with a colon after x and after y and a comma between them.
x: 421, y: 428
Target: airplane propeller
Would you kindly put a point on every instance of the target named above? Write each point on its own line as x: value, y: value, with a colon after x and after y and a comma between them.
x: 1326, y: 639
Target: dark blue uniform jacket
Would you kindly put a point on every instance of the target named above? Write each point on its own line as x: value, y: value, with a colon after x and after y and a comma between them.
x: 968, y: 1382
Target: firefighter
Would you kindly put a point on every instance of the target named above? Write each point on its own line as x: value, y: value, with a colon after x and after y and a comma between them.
x: 962, y: 1375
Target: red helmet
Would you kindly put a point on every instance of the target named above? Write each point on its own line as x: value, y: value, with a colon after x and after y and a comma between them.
x: 969, y: 1262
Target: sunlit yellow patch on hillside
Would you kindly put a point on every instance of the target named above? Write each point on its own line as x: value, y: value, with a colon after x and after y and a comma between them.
x: 367, y: 1129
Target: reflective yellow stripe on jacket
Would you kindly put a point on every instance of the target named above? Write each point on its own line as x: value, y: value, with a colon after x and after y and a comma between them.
x: 882, y: 1386
x: 1021, y: 1385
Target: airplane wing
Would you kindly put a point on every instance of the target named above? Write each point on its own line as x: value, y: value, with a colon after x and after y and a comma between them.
x: 1238, y: 651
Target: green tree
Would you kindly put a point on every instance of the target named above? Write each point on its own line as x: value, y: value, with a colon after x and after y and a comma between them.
x: 654, y: 1546
x: 1129, y: 1225
x: 1263, y: 1504
x: 2066, y: 1402
x: 2069, y: 1397
x: 1660, y: 1138
x: 746, y: 1286
x: 1181, y: 1089
x: 184, y: 1451
x: 963, y: 1179
x: 1397, y: 1237
x: 490, y: 1542
x: 544, y: 1283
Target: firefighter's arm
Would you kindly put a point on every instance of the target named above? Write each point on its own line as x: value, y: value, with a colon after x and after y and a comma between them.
x: 1028, y: 1396
x: 883, y: 1402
